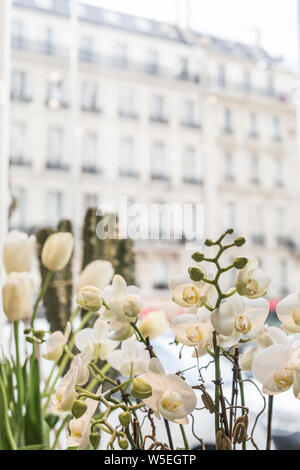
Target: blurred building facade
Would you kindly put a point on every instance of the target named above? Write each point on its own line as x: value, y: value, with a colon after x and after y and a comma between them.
x: 105, y: 105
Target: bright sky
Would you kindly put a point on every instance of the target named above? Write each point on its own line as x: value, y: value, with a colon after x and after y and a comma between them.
x: 233, y: 19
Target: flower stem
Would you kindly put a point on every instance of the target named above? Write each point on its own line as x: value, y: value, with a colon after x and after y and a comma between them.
x: 241, y: 384
x: 7, y: 428
x: 41, y: 296
x: 185, y: 441
x: 20, y: 384
x: 270, y: 416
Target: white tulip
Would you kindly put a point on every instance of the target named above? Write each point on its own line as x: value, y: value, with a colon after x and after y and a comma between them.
x: 251, y: 281
x: 80, y: 428
x: 65, y: 393
x: 98, y: 274
x: 190, y: 294
x: 57, y: 251
x: 90, y: 298
x: 277, y: 368
x: 55, y: 344
x: 191, y: 331
x: 18, y: 252
x: 268, y: 336
x: 288, y: 312
x: 153, y: 324
x: 171, y: 396
x: 132, y: 359
x: 239, y: 318
x: 98, y: 338
x: 18, y: 296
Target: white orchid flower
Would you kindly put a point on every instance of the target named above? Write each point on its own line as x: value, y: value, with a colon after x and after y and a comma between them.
x: 132, y: 359
x: 277, y: 368
x: 171, y: 396
x: 190, y: 330
x: 80, y: 428
x: 65, y: 393
x: 55, y: 344
x: 251, y: 281
x: 98, y: 274
x: 268, y: 336
x: 81, y: 362
x: 190, y: 294
x: 18, y: 252
x: 288, y: 312
x: 124, y: 301
x: 153, y: 324
x: 239, y: 318
x: 98, y: 338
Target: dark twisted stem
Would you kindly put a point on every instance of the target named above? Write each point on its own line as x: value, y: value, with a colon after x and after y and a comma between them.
x: 270, y: 416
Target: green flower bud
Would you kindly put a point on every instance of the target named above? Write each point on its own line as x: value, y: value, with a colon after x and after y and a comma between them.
x: 240, y: 241
x: 95, y: 439
x: 196, y: 274
x: 26, y: 332
x: 141, y: 389
x: 79, y: 408
x: 32, y: 340
x: 198, y: 257
x: 125, y: 419
x: 240, y: 263
x: 230, y: 231
x: 123, y: 443
x: 39, y: 334
x: 209, y: 242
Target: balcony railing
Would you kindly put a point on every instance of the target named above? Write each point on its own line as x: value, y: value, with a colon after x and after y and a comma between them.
x: 20, y: 97
x: 159, y: 119
x: 128, y: 114
x: 60, y: 166
x: 128, y: 174
x: 20, y: 161
x: 91, y: 109
x: 91, y: 169
x: 192, y: 180
x: 191, y: 124
x: 160, y: 177
x: 40, y: 47
x: 239, y: 88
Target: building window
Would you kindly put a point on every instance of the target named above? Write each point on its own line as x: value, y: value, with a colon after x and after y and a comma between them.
x: 157, y: 109
x: 228, y: 167
x: 47, y: 44
x: 283, y: 278
x: 90, y: 153
x: 54, y: 208
x: 191, y: 173
x: 256, y: 218
x: 120, y: 55
x: 158, y: 161
x: 126, y: 104
x: 18, y: 220
x: 253, y: 126
x: 86, y: 48
x: 279, y: 170
x: 254, y: 170
x: 247, y: 82
x: 183, y: 68
x: 152, y: 62
x: 276, y: 129
x: 227, y: 121
x: 189, y: 114
x: 222, y: 76
x: 17, y: 34
x: 19, y: 86
x: 229, y: 215
x: 18, y: 144
x: 161, y: 274
x: 90, y: 97
x: 56, y: 149
x: 270, y: 86
x: 127, y: 158
x: 280, y: 226
x: 55, y: 98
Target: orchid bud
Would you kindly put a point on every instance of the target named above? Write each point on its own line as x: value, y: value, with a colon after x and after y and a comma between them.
x: 79, y: 408
x: 240, y: 263
x: 141, y: 389
x: 95, y: 439
x: 125, y: 419
x: 40, y: 334
x: 89, y: 298
x: 57, y: 251
x: 196, y: 274
x: 123, y: 443
x: 18, y: 252
x: 209, y: 242
x: 131, y: 308
x: 198, y: 257
x: 18, y: 296
x: 239, y: 241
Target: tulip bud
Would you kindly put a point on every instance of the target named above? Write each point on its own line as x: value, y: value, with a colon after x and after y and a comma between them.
x: 125, y: 419
x: 89, y: 298
x: 141, y: 389
x: 18, y: 252
x: 95, y: 439
x: 57, y: 251
x: 196, y: 274
x: 79, y: 408
x: 240, y: 263
x: 239, y: 241
x: 123, y: 443
x: 198, y: 257
x: 17, y: 296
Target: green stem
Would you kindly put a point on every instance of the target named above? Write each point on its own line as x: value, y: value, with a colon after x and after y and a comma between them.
x: 19, y: 374
x: 130, y: 440
x: 217, y: 388
x: 59, y: 431
x: 7, y: 428
x: 185, y: 441
x: 41, y: 296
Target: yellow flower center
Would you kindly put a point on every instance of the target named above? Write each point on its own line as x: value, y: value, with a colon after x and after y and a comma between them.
x: 296, y: 315
x: 194, y: 334
x: 190, y: 295
x: 242, y: 324
x: 171, y: 401
x: 284, y: 379
x: 252, y: 287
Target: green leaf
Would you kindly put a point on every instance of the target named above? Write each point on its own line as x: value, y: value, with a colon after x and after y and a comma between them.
x: 33, y: 417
